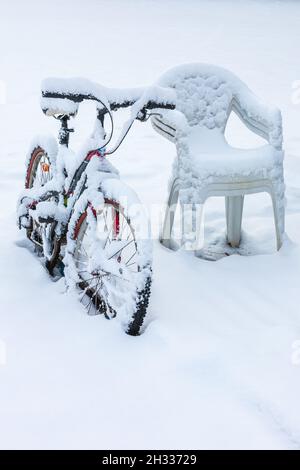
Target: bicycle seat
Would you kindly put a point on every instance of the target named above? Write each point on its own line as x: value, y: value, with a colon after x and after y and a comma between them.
x: 59, y: 107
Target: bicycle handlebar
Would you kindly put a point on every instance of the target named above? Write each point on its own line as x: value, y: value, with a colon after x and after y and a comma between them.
x: 114, y: 106
x: 67, y: 94
x: 62, y: 97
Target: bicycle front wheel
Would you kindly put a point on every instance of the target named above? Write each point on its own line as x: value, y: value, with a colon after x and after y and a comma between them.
x: 111, y: 266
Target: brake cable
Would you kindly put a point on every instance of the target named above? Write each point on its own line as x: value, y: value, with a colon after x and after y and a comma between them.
x: 110, y: 152
x: 112, y: 125
x: 145, y: 116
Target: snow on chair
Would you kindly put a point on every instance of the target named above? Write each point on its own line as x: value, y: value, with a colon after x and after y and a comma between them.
x: 206, y: 165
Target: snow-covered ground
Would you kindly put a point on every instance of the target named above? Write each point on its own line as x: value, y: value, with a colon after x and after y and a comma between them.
x: 216, y: 366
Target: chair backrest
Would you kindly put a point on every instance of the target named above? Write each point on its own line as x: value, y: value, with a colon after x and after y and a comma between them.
x: 204, y: 93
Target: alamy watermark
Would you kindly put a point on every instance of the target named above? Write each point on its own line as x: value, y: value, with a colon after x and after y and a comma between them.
x: 3, y: 92
x: 295, y: 97
x: 295, y: 356
x: 3, y: 353
x: 181, y: 223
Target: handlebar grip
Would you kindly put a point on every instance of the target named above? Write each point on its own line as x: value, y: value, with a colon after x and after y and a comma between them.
x: 156, y: 105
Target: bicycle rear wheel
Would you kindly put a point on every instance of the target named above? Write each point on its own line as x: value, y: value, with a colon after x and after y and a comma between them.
x: 39, y: 171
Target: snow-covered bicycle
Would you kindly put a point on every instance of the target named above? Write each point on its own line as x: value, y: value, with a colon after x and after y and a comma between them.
x: 82, y: 219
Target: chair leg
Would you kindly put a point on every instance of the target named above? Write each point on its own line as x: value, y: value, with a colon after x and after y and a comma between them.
x: 192, y: 226
x: 234, y: 211
x: 278, y: 218
x: 166, y: 235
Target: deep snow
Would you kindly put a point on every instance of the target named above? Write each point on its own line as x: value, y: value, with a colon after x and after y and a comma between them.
x: 214, y: 368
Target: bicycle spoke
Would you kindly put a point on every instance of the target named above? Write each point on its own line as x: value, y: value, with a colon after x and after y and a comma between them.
x: 107, y: 290
x: 108, y: 236
x: 130, y: 259
x: 110, y: 257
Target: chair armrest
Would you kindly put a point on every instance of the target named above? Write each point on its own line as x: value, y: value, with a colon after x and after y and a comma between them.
x: 169, y: 122
x: 264, y: 120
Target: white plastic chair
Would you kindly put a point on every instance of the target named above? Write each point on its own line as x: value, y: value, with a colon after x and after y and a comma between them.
x: 206, y: 165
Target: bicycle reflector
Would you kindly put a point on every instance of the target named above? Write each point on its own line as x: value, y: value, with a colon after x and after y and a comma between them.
x: 45, y: 167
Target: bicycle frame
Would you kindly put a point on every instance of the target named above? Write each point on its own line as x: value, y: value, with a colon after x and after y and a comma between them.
x: 68, y: 193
